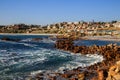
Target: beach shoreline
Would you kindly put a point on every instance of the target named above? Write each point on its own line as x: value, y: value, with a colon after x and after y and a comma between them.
x: 28, y: 34
x: 103, y: 38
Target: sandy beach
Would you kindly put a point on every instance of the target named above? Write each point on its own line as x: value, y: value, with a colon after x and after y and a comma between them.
x: 105, y: 38
x: 27, y: 34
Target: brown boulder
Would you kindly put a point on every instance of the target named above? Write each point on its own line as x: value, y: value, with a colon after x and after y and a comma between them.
x: 102, y: 74
x: 81, y: 76
x: 114, y: 72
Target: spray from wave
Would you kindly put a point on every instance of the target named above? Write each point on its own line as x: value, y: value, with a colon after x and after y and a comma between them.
x: 19, y: 59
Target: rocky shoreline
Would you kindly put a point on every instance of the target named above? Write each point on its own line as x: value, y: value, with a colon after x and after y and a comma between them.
x: 105, y: 70
x: 98, y: 71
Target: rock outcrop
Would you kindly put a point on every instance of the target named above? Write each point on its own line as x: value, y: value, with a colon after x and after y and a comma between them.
x: 114, y: 72
x: 9, y: 39
x: 111, y: 54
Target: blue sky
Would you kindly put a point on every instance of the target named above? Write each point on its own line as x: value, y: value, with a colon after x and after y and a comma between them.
x: 53, y: 11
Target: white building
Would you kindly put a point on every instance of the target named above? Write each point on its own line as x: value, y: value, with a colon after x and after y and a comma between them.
x: 48, y: 27
x: 75, y: 22
x: 117, y: 24
x: 69, y: 22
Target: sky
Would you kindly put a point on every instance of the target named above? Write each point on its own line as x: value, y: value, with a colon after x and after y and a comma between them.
x: 42, y: 12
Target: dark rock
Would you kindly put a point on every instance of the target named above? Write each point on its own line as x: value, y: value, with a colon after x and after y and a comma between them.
x: 9, y: 39
x: 36, y: 39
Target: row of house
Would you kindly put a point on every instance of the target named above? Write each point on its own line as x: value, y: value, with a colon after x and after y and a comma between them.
x: 88, y: 28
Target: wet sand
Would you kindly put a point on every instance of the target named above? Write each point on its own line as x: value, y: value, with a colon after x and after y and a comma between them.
x: 27, y: 34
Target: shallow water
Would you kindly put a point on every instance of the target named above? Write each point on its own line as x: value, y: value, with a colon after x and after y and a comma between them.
x: 19, y: 59
x: 94, y: 42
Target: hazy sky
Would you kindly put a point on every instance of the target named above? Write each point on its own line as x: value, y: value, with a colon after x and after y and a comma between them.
x: 53, y: 11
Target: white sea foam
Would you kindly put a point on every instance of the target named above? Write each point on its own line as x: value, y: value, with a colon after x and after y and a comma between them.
x: 44, y: 40
x: 29, y: 45
x: 82, y: 61
x: 48, y: 41
x: 22, y: 43
x: 27, y: 40
x: 43, y: 58
x: 28, y: 56
x: 3, y: 50
x: 36, y: 72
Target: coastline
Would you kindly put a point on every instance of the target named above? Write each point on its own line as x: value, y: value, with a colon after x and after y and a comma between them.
x: 104, y: 38
x: 27, y: 34
x: 97, y: 71
x: 107, y: 51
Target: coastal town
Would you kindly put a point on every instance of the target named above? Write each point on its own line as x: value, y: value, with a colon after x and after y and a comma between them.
x: 80, y: 28
x: 59, y: 39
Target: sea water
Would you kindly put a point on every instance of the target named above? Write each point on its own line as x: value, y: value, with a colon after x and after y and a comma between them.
x: 19, y: 59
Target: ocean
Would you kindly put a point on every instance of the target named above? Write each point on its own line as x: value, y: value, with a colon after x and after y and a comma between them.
x: 19, y: 59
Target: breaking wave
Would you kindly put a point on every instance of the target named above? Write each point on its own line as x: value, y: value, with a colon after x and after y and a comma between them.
x: 28, y: 57
x: 43, y: 59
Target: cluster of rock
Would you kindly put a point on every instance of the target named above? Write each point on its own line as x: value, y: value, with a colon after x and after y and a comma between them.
x: 98, y: 71
x: 114, y: 72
